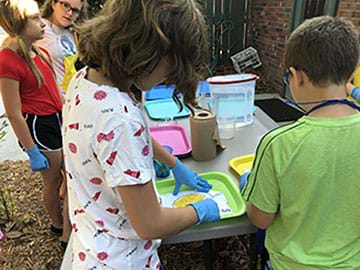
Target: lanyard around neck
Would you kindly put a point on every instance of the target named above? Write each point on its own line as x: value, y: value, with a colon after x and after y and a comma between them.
x: 332, y: 102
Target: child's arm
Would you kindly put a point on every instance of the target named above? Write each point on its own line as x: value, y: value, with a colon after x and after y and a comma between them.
x: 258, y: 217
x: 160, y: 153
x: 182, y: 174
x: 131, y: 173
x: 262, y: 191
x: 12, y: 103
x: 62, y: 97
x: 151, y: 221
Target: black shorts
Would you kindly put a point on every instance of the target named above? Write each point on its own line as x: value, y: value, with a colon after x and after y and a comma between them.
x: 45, y: 131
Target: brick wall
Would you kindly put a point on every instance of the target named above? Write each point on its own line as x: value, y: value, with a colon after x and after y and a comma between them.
x: 350, y: 9
x: 270, y: 29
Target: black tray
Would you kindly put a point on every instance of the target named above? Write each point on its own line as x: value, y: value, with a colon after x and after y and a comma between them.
x: 278, y: 110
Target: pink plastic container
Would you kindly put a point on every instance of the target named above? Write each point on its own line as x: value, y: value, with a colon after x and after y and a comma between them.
x: 174, y: 136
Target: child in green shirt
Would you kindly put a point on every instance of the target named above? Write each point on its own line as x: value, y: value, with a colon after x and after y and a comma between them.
x: 304, y: 185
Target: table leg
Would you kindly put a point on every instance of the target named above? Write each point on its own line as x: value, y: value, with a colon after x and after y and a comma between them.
x: 208, y: 254
x: 252, y: 252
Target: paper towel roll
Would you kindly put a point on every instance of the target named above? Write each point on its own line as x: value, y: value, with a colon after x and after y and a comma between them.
x: 204, y: 135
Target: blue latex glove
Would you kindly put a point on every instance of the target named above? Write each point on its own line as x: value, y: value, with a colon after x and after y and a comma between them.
x: 38, y: 161
x: 206, y: 210
x: 185, y: 176
x: 244, y: 179
x: 355, y: 93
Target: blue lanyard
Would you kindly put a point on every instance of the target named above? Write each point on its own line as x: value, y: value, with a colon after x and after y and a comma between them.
x: 332, y: 102
x: 324, y: 103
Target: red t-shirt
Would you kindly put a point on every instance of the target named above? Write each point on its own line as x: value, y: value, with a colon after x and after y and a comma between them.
x: 34, y: 100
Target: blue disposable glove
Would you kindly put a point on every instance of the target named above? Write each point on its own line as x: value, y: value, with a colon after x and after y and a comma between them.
x: 206, y: 210
x: 38, y: 161
x: 244, y: 179
x: 185, y: 176
x: 355, y: 93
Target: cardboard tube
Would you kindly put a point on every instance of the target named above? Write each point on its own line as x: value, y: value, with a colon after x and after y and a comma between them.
x: 204, y: 135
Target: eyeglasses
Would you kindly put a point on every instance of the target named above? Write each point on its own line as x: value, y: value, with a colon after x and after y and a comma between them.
x: 67, y: 7
x: 286, y: 77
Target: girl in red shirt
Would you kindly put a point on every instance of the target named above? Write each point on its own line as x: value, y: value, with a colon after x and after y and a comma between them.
x: 31, y: 98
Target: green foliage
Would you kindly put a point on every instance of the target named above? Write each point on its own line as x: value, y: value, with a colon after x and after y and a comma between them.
x: 94, y: 6
x: 40, y: 2
x: 3, y: 125
x: 7, y: 205
x: 6, y: 202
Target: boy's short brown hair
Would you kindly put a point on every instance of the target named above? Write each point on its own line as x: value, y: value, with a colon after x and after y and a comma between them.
x: 325, y: 48
x: 129, y: 37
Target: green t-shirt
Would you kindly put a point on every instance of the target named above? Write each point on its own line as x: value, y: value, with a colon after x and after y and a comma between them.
x: 308, y: 173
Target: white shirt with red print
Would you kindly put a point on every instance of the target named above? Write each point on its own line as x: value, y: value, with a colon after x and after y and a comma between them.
x: 106, y: 144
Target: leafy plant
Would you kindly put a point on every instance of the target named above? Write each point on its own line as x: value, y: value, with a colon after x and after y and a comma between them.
x: 3, y: 125
x: 7, y: 205
x: 94, y: 6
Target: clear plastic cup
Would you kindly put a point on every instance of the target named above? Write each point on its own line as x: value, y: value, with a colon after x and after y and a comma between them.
x: 227, y: 125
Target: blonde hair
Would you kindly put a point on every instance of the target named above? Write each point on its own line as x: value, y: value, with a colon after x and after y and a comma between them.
x: 47, y: 10
x: 13, y: 17
x: 129, y: 37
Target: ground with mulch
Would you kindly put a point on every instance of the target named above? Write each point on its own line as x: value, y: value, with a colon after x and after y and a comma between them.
x: 28, y: 243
